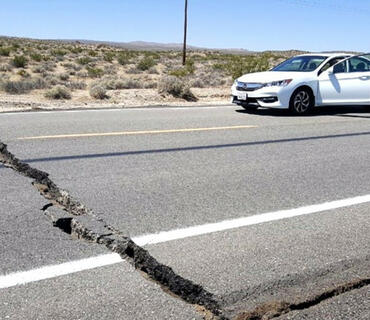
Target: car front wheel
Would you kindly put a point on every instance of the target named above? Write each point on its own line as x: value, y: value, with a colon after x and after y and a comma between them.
x: 302, y: 101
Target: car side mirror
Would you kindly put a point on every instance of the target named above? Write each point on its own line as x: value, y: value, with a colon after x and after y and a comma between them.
x: 330, y: 71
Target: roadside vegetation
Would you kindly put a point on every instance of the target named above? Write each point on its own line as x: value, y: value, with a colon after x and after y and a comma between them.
x: 57, y: 70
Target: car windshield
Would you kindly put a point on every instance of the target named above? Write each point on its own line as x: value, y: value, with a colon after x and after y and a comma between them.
x: 300, y: 64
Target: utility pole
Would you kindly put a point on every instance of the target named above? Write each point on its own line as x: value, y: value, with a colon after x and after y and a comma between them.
x: 185, y: 33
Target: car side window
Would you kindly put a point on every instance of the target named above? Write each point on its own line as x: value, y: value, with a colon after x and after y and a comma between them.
x: 330, y: 63
x: 359, y: 64
x: 340, y: 67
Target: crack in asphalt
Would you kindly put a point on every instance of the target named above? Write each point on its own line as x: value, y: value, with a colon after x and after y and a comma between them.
x: 80, y: 216
x: 274, y: 309
x: 75, y: 219
x: 324, y: 275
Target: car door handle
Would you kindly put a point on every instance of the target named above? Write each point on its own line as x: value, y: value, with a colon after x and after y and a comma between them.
x: 365, y: 78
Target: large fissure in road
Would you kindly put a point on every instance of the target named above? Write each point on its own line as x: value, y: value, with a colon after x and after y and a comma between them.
x: 74, y: 218
x: 79, y: 217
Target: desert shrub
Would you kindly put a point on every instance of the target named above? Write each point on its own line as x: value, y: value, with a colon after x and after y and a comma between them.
x: 15, y: 46
x: 58, y: 92
x: 82, y: 74
x: 43, y: 68
x: 92, y: 53
x: 197, y: 83
x: 15, y: 87
x: 59, y: 58
x: 23, y: 73
x: 49, y: 66
x: 129, y: 84
x: 181, y: 72
x: 218, y: 66
x: 75, y: 50
x: 5, y: 68
x: 150, y: 84
x: 37, y: 83
x: 108, y: 56
x: 174, y: 86
x: 98, y: 92
x: 239, y: 65
x: 3, y: 79
x: 209, y: 78
x: 109, y: 83
x: 188, y: 69
x: 94, y: 72
x: 118, y: 84
x: 146, y: 63
x: 23, y: 86
x: 171, y: 85
x: 133, y: 71
x: 19, y: 61
x: 58, y: 52
x: 123, y: 58
x: 36, y: 57
x: 76, y: 85
x: 110, y: 69
x: 5, y: 52
x: 222, y: 82
x: 64, y: 76
x: 190, y: 66
x: 46, y: 58
x: 152, y: 54
x: 42, y: 47
x: 84, y: 60
x: 71, y: 66
x: 68, y: 65
x: 51, y: 80
x: 153, y: 70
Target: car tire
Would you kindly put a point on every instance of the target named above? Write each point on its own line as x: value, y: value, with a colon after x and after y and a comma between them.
x: 302, y: 101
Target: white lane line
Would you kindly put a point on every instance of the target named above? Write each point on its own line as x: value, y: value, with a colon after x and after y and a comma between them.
x: 52, y: 271
x: 246, y: 221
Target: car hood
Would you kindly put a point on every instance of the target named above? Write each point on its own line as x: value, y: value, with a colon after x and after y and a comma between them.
x: 268, y: 76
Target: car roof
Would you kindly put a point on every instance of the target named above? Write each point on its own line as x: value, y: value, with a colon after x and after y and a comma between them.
x: 328, y: 54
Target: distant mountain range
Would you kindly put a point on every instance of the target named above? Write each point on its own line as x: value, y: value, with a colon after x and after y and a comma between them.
x: 154, y: 46
x: 138, y: 45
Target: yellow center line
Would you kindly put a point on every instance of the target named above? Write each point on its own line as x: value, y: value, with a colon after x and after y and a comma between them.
x: 127, y: 133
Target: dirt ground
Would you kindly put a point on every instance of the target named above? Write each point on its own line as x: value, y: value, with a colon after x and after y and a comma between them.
x: 117, y: 99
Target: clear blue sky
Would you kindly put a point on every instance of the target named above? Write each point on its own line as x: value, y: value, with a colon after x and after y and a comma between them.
x: 313, y: 25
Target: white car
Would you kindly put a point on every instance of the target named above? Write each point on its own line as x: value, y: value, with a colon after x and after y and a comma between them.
x: 305, y: 81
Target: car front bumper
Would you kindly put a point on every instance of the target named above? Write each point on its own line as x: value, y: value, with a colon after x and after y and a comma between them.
x: 267, y: 97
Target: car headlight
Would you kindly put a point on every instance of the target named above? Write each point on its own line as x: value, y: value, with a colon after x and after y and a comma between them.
x: 280, y: 83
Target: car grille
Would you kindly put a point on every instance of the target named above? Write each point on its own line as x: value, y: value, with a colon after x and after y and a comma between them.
x: 248, y: 86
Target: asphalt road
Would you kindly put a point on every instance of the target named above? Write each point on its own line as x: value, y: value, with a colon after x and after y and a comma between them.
x: 152, y: 170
